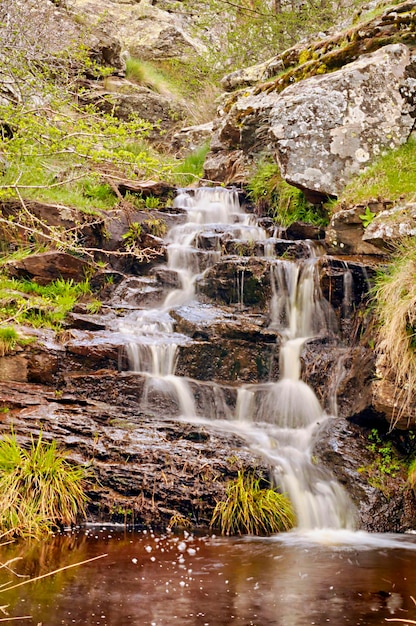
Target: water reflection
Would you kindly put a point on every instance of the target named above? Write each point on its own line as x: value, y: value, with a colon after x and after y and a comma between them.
x: 149, y: 579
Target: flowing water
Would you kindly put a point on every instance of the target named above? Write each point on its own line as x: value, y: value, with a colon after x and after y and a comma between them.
x: 277, y: 419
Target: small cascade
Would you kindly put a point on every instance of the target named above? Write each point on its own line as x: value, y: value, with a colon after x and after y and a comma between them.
x: 277, y: 419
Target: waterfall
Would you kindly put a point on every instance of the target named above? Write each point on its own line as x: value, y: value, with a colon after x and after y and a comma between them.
x: 279, y: 419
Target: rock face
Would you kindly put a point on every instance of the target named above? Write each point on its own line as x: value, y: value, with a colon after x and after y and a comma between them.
x: 325, y: 129
x: 143, y: 30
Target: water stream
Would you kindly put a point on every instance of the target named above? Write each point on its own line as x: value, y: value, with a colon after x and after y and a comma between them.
x: 278, y: 419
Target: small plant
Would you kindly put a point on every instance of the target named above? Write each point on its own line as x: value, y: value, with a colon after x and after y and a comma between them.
x: 252, y: 509
x: 146, y: 74
x: 94, y: 306
x: 274, y: 197
x: 192, y: 167
x: 178, y: 520
x: 152, y: 202
x: 386, y: 463
x: 156, y: 227
x: 395, y: 307
x: 8, y: 340
x: 39, y: 489
x: 367, y: 217
x: 133, y: 235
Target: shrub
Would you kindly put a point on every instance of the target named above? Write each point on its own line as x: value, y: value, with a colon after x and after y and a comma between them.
x: 39, y: 489
x: 252, y: 509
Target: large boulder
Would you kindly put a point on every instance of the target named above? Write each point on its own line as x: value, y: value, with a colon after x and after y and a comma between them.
x: 327, y: 128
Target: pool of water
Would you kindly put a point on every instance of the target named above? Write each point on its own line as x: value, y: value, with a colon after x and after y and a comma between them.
x: 149, y: 579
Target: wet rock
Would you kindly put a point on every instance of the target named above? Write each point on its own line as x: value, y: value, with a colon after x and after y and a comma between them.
x: 299, y: 230
x: 390, y: 505
x: 150, y: 466
x: 229, y: 361
x: 13, y: 367
x: 244, y: 281
x: 137, y: 292
x: 345, y: 283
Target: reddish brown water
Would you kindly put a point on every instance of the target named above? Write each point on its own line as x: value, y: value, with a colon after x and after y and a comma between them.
x: 162, y: 580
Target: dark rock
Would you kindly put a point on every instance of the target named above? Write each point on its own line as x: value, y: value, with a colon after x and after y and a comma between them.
x: 388, y: 507
x: 45, y: 267
x: 135, y: 467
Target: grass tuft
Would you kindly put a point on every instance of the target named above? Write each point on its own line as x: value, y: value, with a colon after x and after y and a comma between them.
x: 39, y: 489
x: 252, y: 509
x: 191, y: 169
x: 274, y: 197
x: 8, y: 340
x: 395, y: 301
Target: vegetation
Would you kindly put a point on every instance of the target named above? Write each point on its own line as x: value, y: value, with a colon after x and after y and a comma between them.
x: 395, y: 304
x: 392, y: 176
x: 387, y: 462
x: 191, y: 169
x: 8, y: 340
x: 147, y: 74
x: 252, y: 31
x: 283, y: 202
x: 26, y: 302
x: 39, y: 489
x: 252, y: 509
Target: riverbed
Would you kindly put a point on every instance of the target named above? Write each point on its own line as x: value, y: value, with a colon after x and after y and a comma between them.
x: 152, y: 579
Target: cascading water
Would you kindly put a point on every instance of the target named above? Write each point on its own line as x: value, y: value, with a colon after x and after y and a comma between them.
x: 277, y: 419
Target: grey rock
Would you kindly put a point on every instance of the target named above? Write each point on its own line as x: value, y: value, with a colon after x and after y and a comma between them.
x: 389, y: 227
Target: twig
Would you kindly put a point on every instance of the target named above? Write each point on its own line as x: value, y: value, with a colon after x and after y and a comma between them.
x: 56, y: 571
x: 63, y: 182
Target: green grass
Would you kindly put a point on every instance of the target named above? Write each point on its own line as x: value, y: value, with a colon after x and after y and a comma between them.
x: 395, y: 307
x: 8, y: 340
x: 26, y: 302
x: 392, y: 177
x: 146, y: 74
x: 251, y: 509
x: 191, y: 169
x: 276, y: 198
x: 39, y: 489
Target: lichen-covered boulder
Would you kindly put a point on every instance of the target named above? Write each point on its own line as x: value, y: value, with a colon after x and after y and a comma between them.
x: 327, y: 128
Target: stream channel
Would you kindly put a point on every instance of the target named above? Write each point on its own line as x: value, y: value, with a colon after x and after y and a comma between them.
x: 323, y: 572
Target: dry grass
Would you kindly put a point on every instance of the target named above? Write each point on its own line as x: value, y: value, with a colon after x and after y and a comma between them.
x: 395, y: 296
